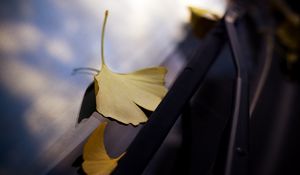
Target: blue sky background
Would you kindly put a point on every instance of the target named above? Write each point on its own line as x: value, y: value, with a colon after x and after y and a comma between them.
x: 41, y: 42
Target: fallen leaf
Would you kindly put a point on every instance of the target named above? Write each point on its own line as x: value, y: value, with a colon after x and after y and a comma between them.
x: 204, y: 13
x: 96, y: 159
x: 202, y: 20
x: 120, y: 96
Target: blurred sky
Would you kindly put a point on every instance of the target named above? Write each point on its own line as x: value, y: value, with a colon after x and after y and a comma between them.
x: 41, y: 42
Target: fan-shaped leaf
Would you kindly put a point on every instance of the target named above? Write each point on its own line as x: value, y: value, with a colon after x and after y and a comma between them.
x: 96, y: 159
x: 120, y: 96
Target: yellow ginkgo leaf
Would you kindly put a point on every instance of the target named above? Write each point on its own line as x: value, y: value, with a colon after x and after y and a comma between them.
x: 96, y: 159
x: 204, y: 13
x: 202, y: 20
x: 120, y: 96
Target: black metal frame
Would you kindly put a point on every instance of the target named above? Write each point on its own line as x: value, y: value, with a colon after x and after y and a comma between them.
x: 151, y: 136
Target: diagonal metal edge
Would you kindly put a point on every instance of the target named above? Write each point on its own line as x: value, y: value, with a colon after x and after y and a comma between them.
x: 66, y: 144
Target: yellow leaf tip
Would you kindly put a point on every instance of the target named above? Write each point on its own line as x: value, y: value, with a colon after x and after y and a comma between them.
x: 96, y: 159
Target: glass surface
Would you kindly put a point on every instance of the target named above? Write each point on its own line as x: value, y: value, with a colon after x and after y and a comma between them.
x: 41, y: 42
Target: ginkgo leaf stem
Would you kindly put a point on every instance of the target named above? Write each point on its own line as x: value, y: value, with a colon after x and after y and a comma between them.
x: 102, y: 37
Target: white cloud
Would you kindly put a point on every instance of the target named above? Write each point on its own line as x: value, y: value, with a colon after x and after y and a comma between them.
x: 143, y: 33
x: 54, y: 102
x: 59, y: 49
x: 139, y: 33
x: 16, y: 38
x: 85, y: 7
